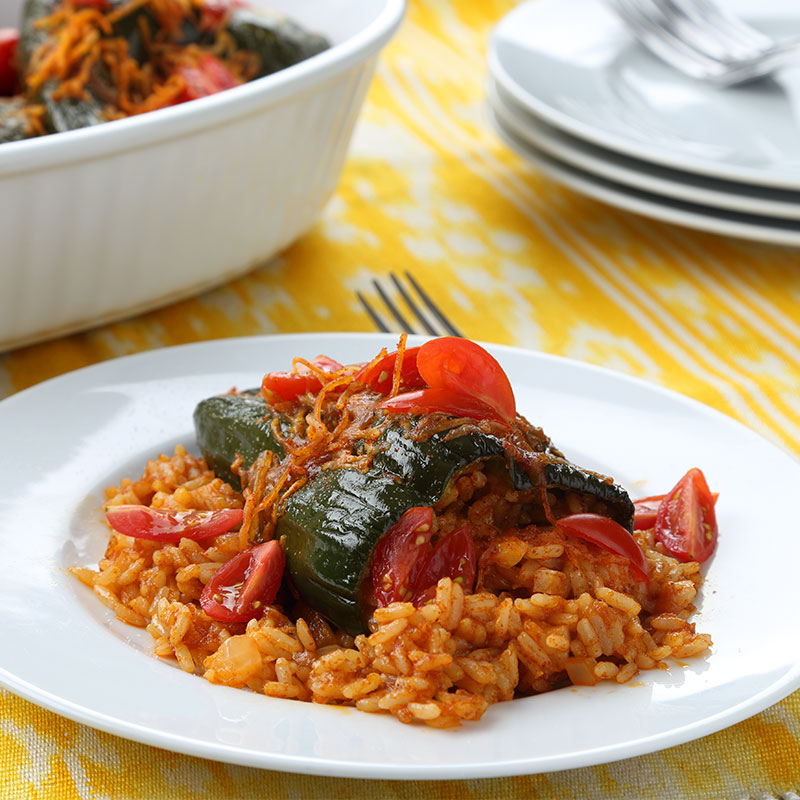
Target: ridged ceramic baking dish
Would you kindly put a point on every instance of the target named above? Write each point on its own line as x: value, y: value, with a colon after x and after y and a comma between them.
x: 104, y: 222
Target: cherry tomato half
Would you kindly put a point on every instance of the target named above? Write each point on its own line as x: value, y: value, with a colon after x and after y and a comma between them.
x: 463, y: 367
x: 207, y: 77
x: 9, y: 83
x: 443, y: 400
x: 398, y: 555
x: 245, y: 586
x: 213, y: 13
x: 291, y: 385
x: 100, y: 5
x: 452, y: 557
x: 164, y: 525
x: 406, y: 567
x: 609, y: 535
x: 379, y: 376
x: 686, y: 523
x: 645, y: 511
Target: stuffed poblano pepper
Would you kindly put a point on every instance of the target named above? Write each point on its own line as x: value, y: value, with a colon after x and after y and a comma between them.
x: 401, y: 472
x: 394, y: 536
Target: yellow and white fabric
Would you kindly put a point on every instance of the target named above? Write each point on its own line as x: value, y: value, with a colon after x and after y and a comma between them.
x: 512, y: 258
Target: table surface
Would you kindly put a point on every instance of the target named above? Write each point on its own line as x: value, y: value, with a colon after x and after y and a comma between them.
x: 512, y: 258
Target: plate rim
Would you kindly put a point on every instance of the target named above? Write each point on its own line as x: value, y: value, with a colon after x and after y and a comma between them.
x: 768, y: 696
x: 640, y: 175
x: 647, y: 204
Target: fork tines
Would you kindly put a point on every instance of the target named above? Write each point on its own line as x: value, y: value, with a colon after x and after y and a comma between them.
x: 412, y: 299
x: 704, y: 40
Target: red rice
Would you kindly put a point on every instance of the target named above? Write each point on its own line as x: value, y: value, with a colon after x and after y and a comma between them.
x: 547, y: 610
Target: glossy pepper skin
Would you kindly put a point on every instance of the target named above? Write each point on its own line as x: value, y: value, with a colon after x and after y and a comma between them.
x: 331, y: 526
x: 231, y: 424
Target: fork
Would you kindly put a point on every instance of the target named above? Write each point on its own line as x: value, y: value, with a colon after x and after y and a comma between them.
x: 412, y: 299
x: 703, y: 40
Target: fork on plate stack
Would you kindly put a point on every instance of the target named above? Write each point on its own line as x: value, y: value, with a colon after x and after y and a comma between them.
x: 573, y: 90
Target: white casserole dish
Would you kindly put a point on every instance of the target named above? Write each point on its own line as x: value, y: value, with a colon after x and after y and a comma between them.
x: 108, y: 221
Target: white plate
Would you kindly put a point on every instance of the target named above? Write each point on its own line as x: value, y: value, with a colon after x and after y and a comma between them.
x: 68, y: 438
x: 576, y: 66
x: 690, y: 215
x: 684, y: 186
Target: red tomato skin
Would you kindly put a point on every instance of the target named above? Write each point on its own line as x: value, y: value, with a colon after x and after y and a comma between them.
x: 464, y: 367
x: 287, y: 386
x: 379, y: 376
x: 453, y: 557
x: 325, y: 363
x: 195, y: 84
x: 100, y: 5
x: 9, y: 78
x: 207, y: 77
x: 645, y: 511
x: 262, y: 578
x: 687, y: 523
x: 609, y: 535
x: 214, y: 13
x: 445, y: 401
x: 259, y: 570
x: 398, y: 555
x: 219, y: 76
x: 164, y: 525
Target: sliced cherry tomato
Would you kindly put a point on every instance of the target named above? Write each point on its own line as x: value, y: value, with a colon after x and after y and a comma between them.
x: 291, y: 385
x: 379, y: 376
x: 609, y: 535
x: 645, y: 511
x: 444, y: 400
x: 214, y: 13
x: 218, y: 75
x: 398, y: 555
x: 452, y: 557
x: 465, y: 368
x: 163, y: 525
x: 9, y: 78
x: 242, y: 588
x: 686, y: 523
x: 100, y: 5
x: 205, y: 78
x: 195, y: 84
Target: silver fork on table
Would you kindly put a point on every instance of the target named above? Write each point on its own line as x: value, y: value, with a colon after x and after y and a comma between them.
x: 410, y: 299
x: 704, y: 40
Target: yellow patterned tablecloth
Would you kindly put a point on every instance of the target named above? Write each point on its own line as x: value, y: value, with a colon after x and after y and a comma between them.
x: 513, y: 258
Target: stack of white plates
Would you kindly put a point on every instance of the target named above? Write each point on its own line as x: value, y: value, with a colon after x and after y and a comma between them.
x: 573, y: 93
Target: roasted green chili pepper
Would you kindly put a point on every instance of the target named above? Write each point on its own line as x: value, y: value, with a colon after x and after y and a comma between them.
x: 229, y: 425
x: 330, y: 527
x: 278, y: 41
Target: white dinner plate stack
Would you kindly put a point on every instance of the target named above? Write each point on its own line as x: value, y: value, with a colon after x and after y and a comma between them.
x: 574, y: 93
